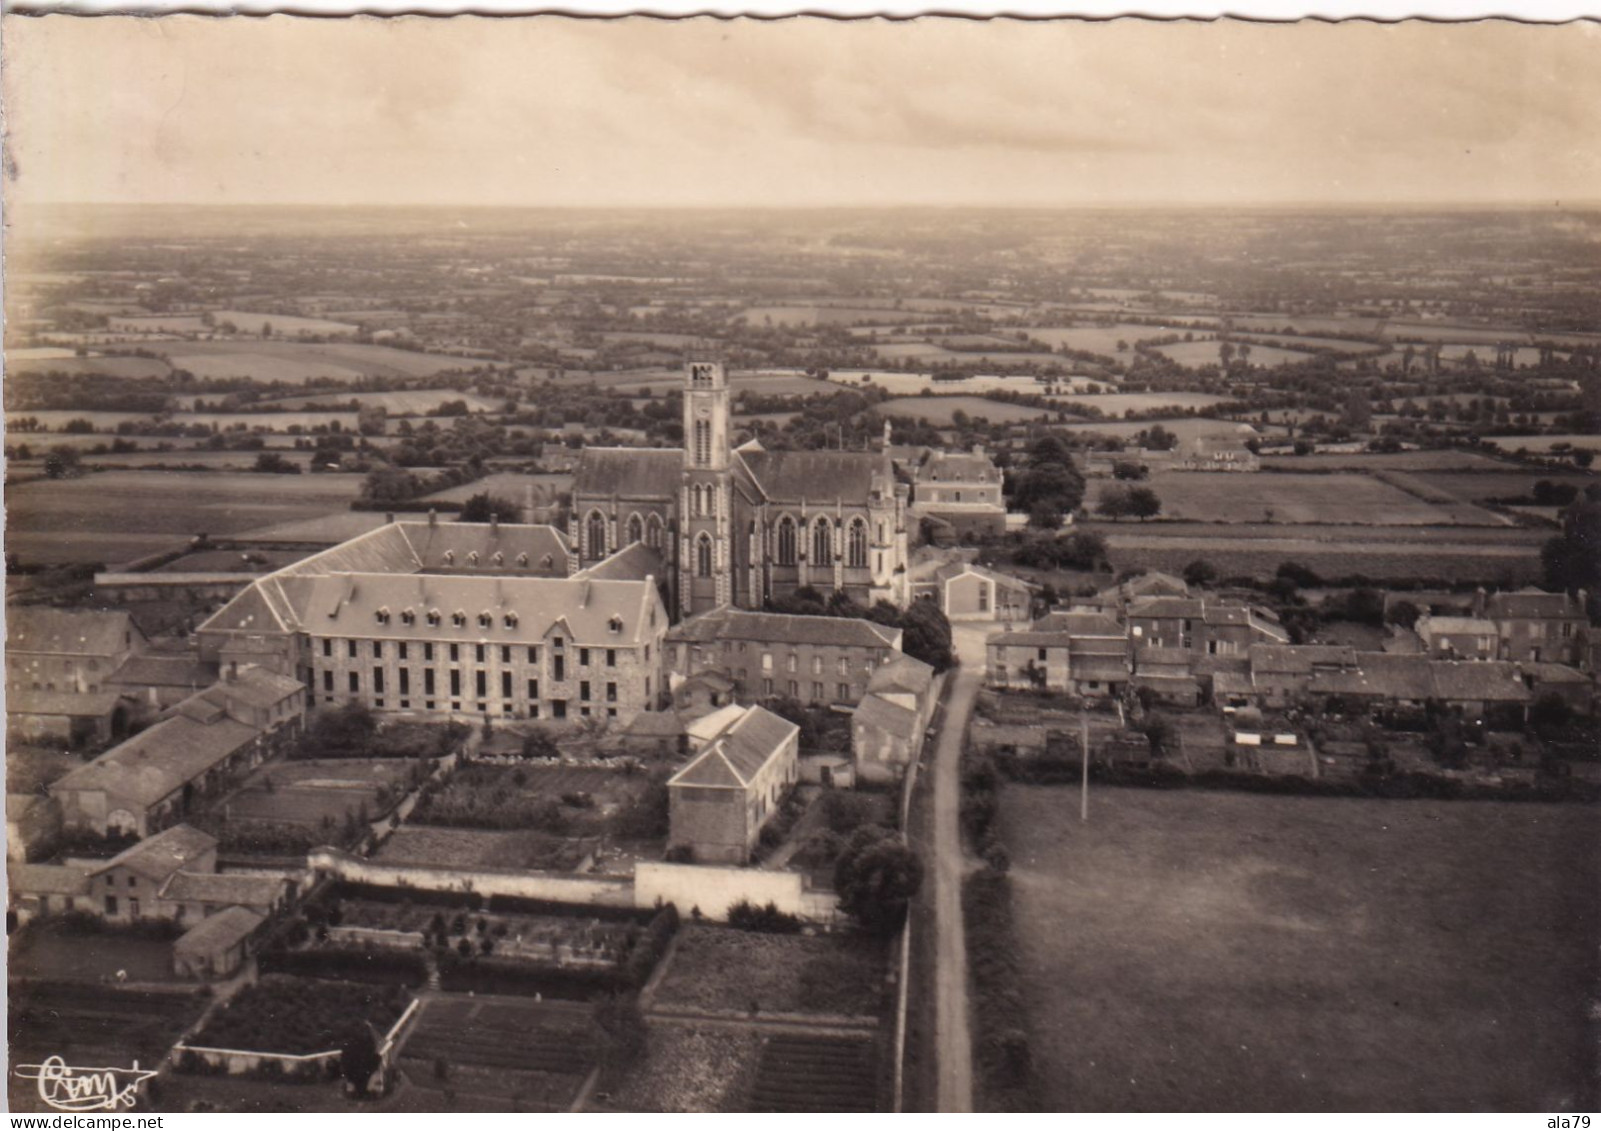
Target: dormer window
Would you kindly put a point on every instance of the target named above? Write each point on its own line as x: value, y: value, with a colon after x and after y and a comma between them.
x: 408, y: 617
x: 522, y: 560
x: 485, y: 620
x: 450, y: 557
x: 459, y: 619
x: 433, y: 618
x: 383, y: 616
x: 499, y: 558
x: 547, y: 561
x: 511, y: 620
x: 615, y: 624
x: 472, y: 557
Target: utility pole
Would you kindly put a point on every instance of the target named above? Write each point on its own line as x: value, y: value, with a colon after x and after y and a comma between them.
x: 1084, y: 791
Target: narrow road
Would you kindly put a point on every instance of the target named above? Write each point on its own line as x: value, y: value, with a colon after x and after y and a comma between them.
x: 954, y: 1038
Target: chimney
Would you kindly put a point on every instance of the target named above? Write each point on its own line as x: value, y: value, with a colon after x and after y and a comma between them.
x: 1479, y: 601
x: 390, y: 518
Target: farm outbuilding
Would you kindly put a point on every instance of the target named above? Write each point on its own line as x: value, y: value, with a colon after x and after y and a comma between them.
x: 218, y: 946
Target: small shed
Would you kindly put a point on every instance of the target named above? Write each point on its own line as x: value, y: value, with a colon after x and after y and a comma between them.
x: 217, y: 946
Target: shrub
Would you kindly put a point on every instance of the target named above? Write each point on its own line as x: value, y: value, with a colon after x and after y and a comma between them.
x: 769, y: 919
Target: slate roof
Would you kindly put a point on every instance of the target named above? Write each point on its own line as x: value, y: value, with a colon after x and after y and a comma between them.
x: 1531, y: 603
x: 655, y: 724
x: 1490, y: 681
x: 903, y: 673
x: 253, y: 687
x: 220, y: 932
x: 1025, y: 638
x: 634, y: 562
x: 1300, y: 659
x: 349, y: 605
x: 784, y: 628
x: 1164, y: 657
x: 954, y: 570
x: 649, y: 474
x: 1108, y: 669
x: 46, y: 879
x: 736, y: 756
x: 159, y: 856
x: 1232, y: 683
x: 65, y: 704
x: 958, y: 467
x: 523, y: 549
x: 164, y: 671
x: 1455, y: 626
x: 1080, y: 622
x: 813, y: 477
x: 1163, y: 607
x: 1554, y: 673
x: 223, y: 887
x: 161, y: 760
x: 74, y: 632
x: 892, y: 718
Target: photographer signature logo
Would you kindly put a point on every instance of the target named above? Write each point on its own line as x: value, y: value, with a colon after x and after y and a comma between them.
x: 66, y: 1088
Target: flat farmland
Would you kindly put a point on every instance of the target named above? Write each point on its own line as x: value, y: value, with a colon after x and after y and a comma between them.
x: 1500, y: 555
x: 1195, y: 354
x: 115, y: 516
x: 1448, y: 459
x: 508, y: 485
x: 1212, y: 951
x: 1508, y: 484
x: 298, y: 362
x: 291, y: 324
x: 941, y: 411
x: 1096, y: 339
x: 1116, y: 404
x: 398, y: 402
x: 104, y: 366
x: 1286, y: 497
x: 1545, y: 444
x: 823, y: 315
x: 912, y: 384
x: 1308, y: 324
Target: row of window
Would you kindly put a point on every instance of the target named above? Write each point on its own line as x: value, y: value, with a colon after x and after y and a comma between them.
x: 458, y: 619
x: 557, y: 708
x: 379, y: 683
x: 480, y: 652
x: 703, y: 503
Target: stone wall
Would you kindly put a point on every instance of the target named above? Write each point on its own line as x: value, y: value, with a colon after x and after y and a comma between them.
x: 714, y: 890
x: 485, y: 881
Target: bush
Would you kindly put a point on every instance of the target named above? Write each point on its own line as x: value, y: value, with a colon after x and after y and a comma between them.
x: 769, y: 920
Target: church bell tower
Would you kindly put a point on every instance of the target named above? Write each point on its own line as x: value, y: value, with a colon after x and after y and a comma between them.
x: 706, y: 565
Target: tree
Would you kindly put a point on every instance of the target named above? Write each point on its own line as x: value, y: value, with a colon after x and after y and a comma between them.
x: 538, y: 744
x: 60, y: 462
x: 1159, y: 439
x: 272, y: 463
x: 346, y: 730
x: 1403, y: 613
x: 1200, y: 572
x: 358, y: 1058
x: 1044, y: 515
x: 483, y: 506
x: 1129, y: 470
x: 927, y: 635
x: 876, y: 877
x: 1113, y: 503
x: 1143, y: 503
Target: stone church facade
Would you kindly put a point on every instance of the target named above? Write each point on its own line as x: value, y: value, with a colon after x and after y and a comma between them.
x: 737, y: 526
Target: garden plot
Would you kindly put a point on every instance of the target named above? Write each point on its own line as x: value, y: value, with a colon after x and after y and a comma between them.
x: 298, y: 1016
x: 318, y: 792
x: 817, y: 1074
x: 441, y: 847
x: 530, y: 1055
x: 720, y: 968
x: 299, y: 362
x: 689, y: 1069
x: 1230, y: 951
x: 1197, y: 354
x: 558, y: 799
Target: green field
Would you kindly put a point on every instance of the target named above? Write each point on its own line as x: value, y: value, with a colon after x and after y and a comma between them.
x: 1097, y: 339
x: 1285, y: 497
x: 1116, y: 404
x: 1196, y: 354
x: 1209, y: 951
x: 298, y: 362
x: 941, y: 411
x: 106, y: 366
x: 115, y: 516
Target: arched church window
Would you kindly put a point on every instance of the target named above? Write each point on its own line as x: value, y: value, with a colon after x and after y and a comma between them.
x: 786, y: 541
x: 636, y: 529
x: 857, y: 555
x: 595, y: 537
x: 822, y: 543
x: 703, y: 442
x: 653, y: 532
x: 703, y: 556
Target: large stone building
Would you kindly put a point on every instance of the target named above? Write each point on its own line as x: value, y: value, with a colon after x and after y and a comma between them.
x: 818, y: 660
x: 61, y: 666
x: 455, y: 619
x: 737, y: 526
x: 961, y: 490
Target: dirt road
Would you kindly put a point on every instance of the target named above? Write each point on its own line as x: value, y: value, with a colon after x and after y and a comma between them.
x: 954, y: 1039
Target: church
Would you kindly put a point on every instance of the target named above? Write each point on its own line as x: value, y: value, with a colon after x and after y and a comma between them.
x: 741, y: 525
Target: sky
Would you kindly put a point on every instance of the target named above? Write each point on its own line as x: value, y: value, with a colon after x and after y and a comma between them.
x: 548, y: 111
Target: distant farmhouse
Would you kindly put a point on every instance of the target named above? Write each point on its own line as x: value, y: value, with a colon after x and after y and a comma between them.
x: 737, y: 526
x: 455, y: 619
x: 1223, y: 449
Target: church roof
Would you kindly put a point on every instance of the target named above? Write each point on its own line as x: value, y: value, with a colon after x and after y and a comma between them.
x: 816, y: 477
x: 628, y: 473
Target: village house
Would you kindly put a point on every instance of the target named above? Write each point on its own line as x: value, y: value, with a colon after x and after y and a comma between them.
x: 745, y: 761
x: 960, y: 489
x: 59, y: 668
x: 1532, y: 625
x: 1167, y: 674
x: 1281, y: 672
x: 968, y: 592
x: 127, y: 887
x: 1202, y: 626
x: 817, y: 660
x: 889, y: 724
x: 150, y: 781
x: 1457, y: 638
x: 1080, y: 652
x: 33, y: 890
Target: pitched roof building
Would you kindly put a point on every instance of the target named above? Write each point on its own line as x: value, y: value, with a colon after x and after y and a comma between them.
x: 731, y: 787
